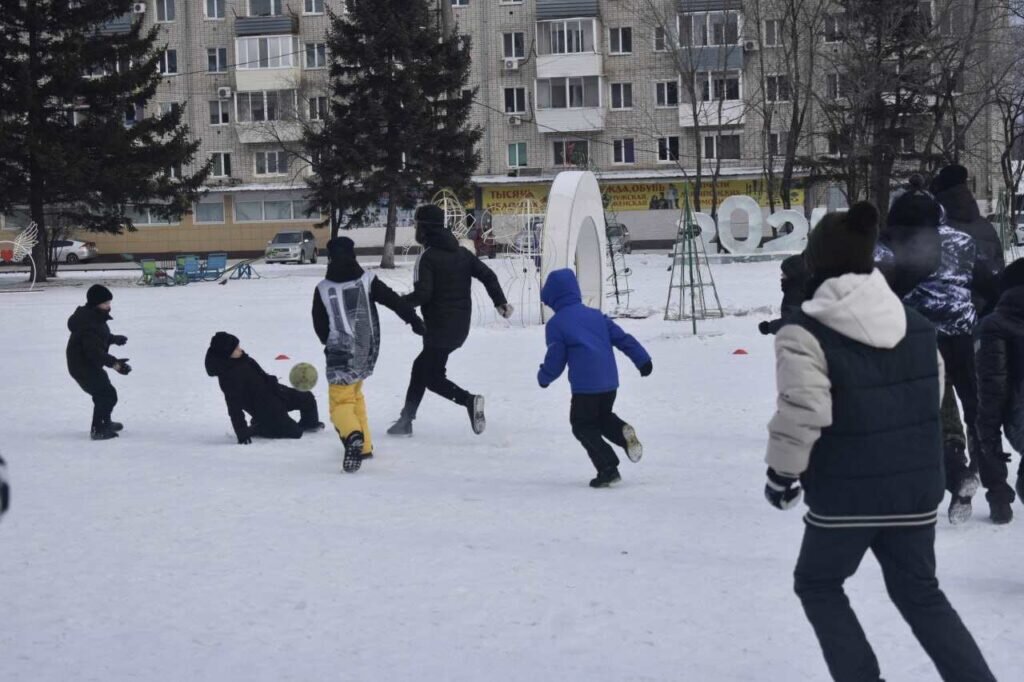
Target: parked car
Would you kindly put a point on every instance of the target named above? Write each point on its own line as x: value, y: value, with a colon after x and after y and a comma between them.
x: 618, y: 238
x: 291, y: 246
x: 529, y: 239
x: 72, y: 251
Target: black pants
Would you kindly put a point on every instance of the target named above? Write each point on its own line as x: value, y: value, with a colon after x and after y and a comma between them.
x: 430, y: 371
x: 592, y: 422
x: 104, y: 396
x: 280, y: 425
x: 907, y: 556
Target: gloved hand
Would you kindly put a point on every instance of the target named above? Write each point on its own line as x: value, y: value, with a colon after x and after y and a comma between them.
x: 782, y: 492
x: 505, y: 310
x: 765, y: 327
x: 118, y: 340
x: 122, y: 366
x: 5, y: 489
x: 418, y: 328
x: 646, y: 370
x: 543, y: 385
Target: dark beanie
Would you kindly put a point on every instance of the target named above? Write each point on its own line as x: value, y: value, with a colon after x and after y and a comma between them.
x: 915, y: 207
x: 341, y: 247
x: 844, y: 243
x: 950, y: 176
x: 98, y: 294
x: 223, y: 344
x: 429, y: 217
x: 1013, y: 276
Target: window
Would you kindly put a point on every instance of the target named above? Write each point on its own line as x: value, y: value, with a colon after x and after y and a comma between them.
x: 667, y: 93
x: 460, y: 3
x: 660, y: 41
x: 566, y: 37
x: 709, y: 28
x: 265, y: 8
x: 272, y: 163
x: 169, y: 62
x: 776, y: 88
x: 210, y: 210
x: 317, y: 108
x: 517, y: 155
x: 314, y: 7
x: 515, y: 45
x: 215, y: 9
x: 174, y: 171
x: 515, y: 100
x: 220, y: 112
x: 906, y: 143
x: 169, y: 107
x: 953, y: 21
x: 835, y: 144
x: 268, y: 105
x: 836, y: 85
x: 217, y: 59
x: 279, y: 209
x: 316, y: 55
x: 273, y: 52
x: 718, y: 86
x: 833, y: 28
x: 722, y: 147
x: 777, y: 143
x: 569, y: 93
x: 165, y: 10
x: 622, y: 95
x: 571, y: 152
x: 620, y: 40
x: 221, y: 165
x: 133, y: 113
x: 668, y: 149
x: 623, y: 151
x: 773, y: 33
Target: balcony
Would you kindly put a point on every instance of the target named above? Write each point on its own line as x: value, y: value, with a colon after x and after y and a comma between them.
x: 118, y: 26
x: 269, y: 132
x: 270, y: 62
x: 732, y: 114
x: 266, y: 26
x: 254, y: 80
x: 566, y: 65
x: 581, y: 120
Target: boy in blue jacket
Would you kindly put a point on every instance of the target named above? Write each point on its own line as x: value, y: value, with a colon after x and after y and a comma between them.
x: 583, y: 338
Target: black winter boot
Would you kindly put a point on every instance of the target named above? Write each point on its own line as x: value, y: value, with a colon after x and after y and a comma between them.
x: 1000, y: 512
x: 102, y: 432
x: 1020, y: 485
x: 116, y: 427
x: 353, y: 452
x: 312, y: 428
x: 605, y: 477
x: 475, y: 408
x: 403, y: 427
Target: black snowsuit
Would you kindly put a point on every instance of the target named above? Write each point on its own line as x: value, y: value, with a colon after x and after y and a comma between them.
x: 1000, y: 364
x: 795, y: 280
x: 443, y: 290
x: 88, y: 353
x: 247, y: 388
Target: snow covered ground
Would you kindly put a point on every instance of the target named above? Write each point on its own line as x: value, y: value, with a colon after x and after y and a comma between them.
x: 172, y: 553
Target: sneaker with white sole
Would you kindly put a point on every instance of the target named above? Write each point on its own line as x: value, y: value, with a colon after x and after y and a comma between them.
x: 960, y: 508
x: 634, y: 450
x: 476, y: 414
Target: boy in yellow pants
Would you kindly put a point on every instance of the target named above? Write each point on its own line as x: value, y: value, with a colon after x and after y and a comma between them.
x: 345, y: 318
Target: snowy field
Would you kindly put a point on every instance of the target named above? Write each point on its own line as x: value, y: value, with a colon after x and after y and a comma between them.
x: 173, y: 554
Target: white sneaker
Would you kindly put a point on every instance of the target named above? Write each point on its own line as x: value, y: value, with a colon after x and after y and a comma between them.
x: 476, y: 414
x: 634, y: 450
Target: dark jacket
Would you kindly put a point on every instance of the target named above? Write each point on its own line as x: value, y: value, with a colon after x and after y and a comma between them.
x: 351, y: 353
x: 443, y: 289
x: 583, y: 338
x: 1000, y: 366
x: 962, y: 214
x: 88, y: 348
x: 795, y: 281
x: 247, y: 388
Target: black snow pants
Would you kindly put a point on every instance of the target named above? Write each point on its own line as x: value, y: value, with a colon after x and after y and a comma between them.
x: 593, y: 422
x: 104, y: 396
x: 280, y: 425
x: 430, y: 371
x: 907, y: 556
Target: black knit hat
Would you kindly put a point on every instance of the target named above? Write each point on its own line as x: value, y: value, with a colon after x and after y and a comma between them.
x: 341, y: 247
x: 98, y: 294
x: 915, y: 207
x: 844, y: 243
x: 950, y: 176
x: 1013, y: 276
x: 223, y: 344
x: 429, y: 217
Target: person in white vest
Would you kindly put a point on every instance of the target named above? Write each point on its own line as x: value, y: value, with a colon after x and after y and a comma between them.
x: 345, y: 319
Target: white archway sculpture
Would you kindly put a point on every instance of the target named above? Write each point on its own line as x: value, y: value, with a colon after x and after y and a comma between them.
x: 21, y: 248
x: 574, y: 234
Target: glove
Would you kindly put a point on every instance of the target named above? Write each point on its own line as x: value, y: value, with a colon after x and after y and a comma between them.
x: 646, y: 370
x: 118, y: 340
x: 765, y: 328
x: 5, y: 489
x: 505, y: 310
x: 543, y: 385
x: 418, y: 328
x: 782, y: 492
x: 122, y: 366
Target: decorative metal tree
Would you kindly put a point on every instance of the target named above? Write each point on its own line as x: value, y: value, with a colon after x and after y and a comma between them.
x: 691, y: 273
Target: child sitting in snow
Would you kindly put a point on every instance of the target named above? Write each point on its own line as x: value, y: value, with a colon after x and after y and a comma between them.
x: 345, y: 320
x: 247, y: 388
x: 584, y: 338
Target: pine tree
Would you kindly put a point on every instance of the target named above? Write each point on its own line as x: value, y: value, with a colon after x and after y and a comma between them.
x: 398, y: 126
x: 77, y: 147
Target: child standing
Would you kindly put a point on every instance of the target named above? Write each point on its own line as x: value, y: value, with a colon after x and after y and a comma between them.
x: 857, y: 428
x: 88, y: 355
x: 583, y: 338
x: 345, y: 320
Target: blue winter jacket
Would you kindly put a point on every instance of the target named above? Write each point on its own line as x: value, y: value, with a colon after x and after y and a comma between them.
x: 583, y: 338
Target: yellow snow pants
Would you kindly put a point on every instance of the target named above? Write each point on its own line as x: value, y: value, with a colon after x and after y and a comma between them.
x: 348, y: 412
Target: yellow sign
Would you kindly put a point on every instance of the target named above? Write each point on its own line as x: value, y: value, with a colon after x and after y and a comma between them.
x: 630, y: 196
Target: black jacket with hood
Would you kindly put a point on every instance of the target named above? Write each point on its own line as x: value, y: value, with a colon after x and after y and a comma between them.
x: 795, y: 282
x: 962, y: 214
x: 88, y: 348
x: 443, y: 288
x: 247, y: 388
x: 1000, y: 364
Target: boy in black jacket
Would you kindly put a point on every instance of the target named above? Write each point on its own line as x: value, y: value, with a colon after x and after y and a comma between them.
x: 88, y: 355
x: 247, y: 388
x: 794, y: 293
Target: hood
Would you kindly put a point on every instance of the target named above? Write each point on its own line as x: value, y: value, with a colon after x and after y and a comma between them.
x: 1012, y: 302
x: 795, y: 267
x: 217, y: 365
x: 959, y: 204
x: 344, y: 269
x: 860, y: 307
x: 87, y: 316
x: 438, y: 238
x: 561, y: 290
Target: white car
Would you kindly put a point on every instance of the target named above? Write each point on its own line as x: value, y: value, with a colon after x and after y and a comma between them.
x: 291, y: 246
x: 72, y: 251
